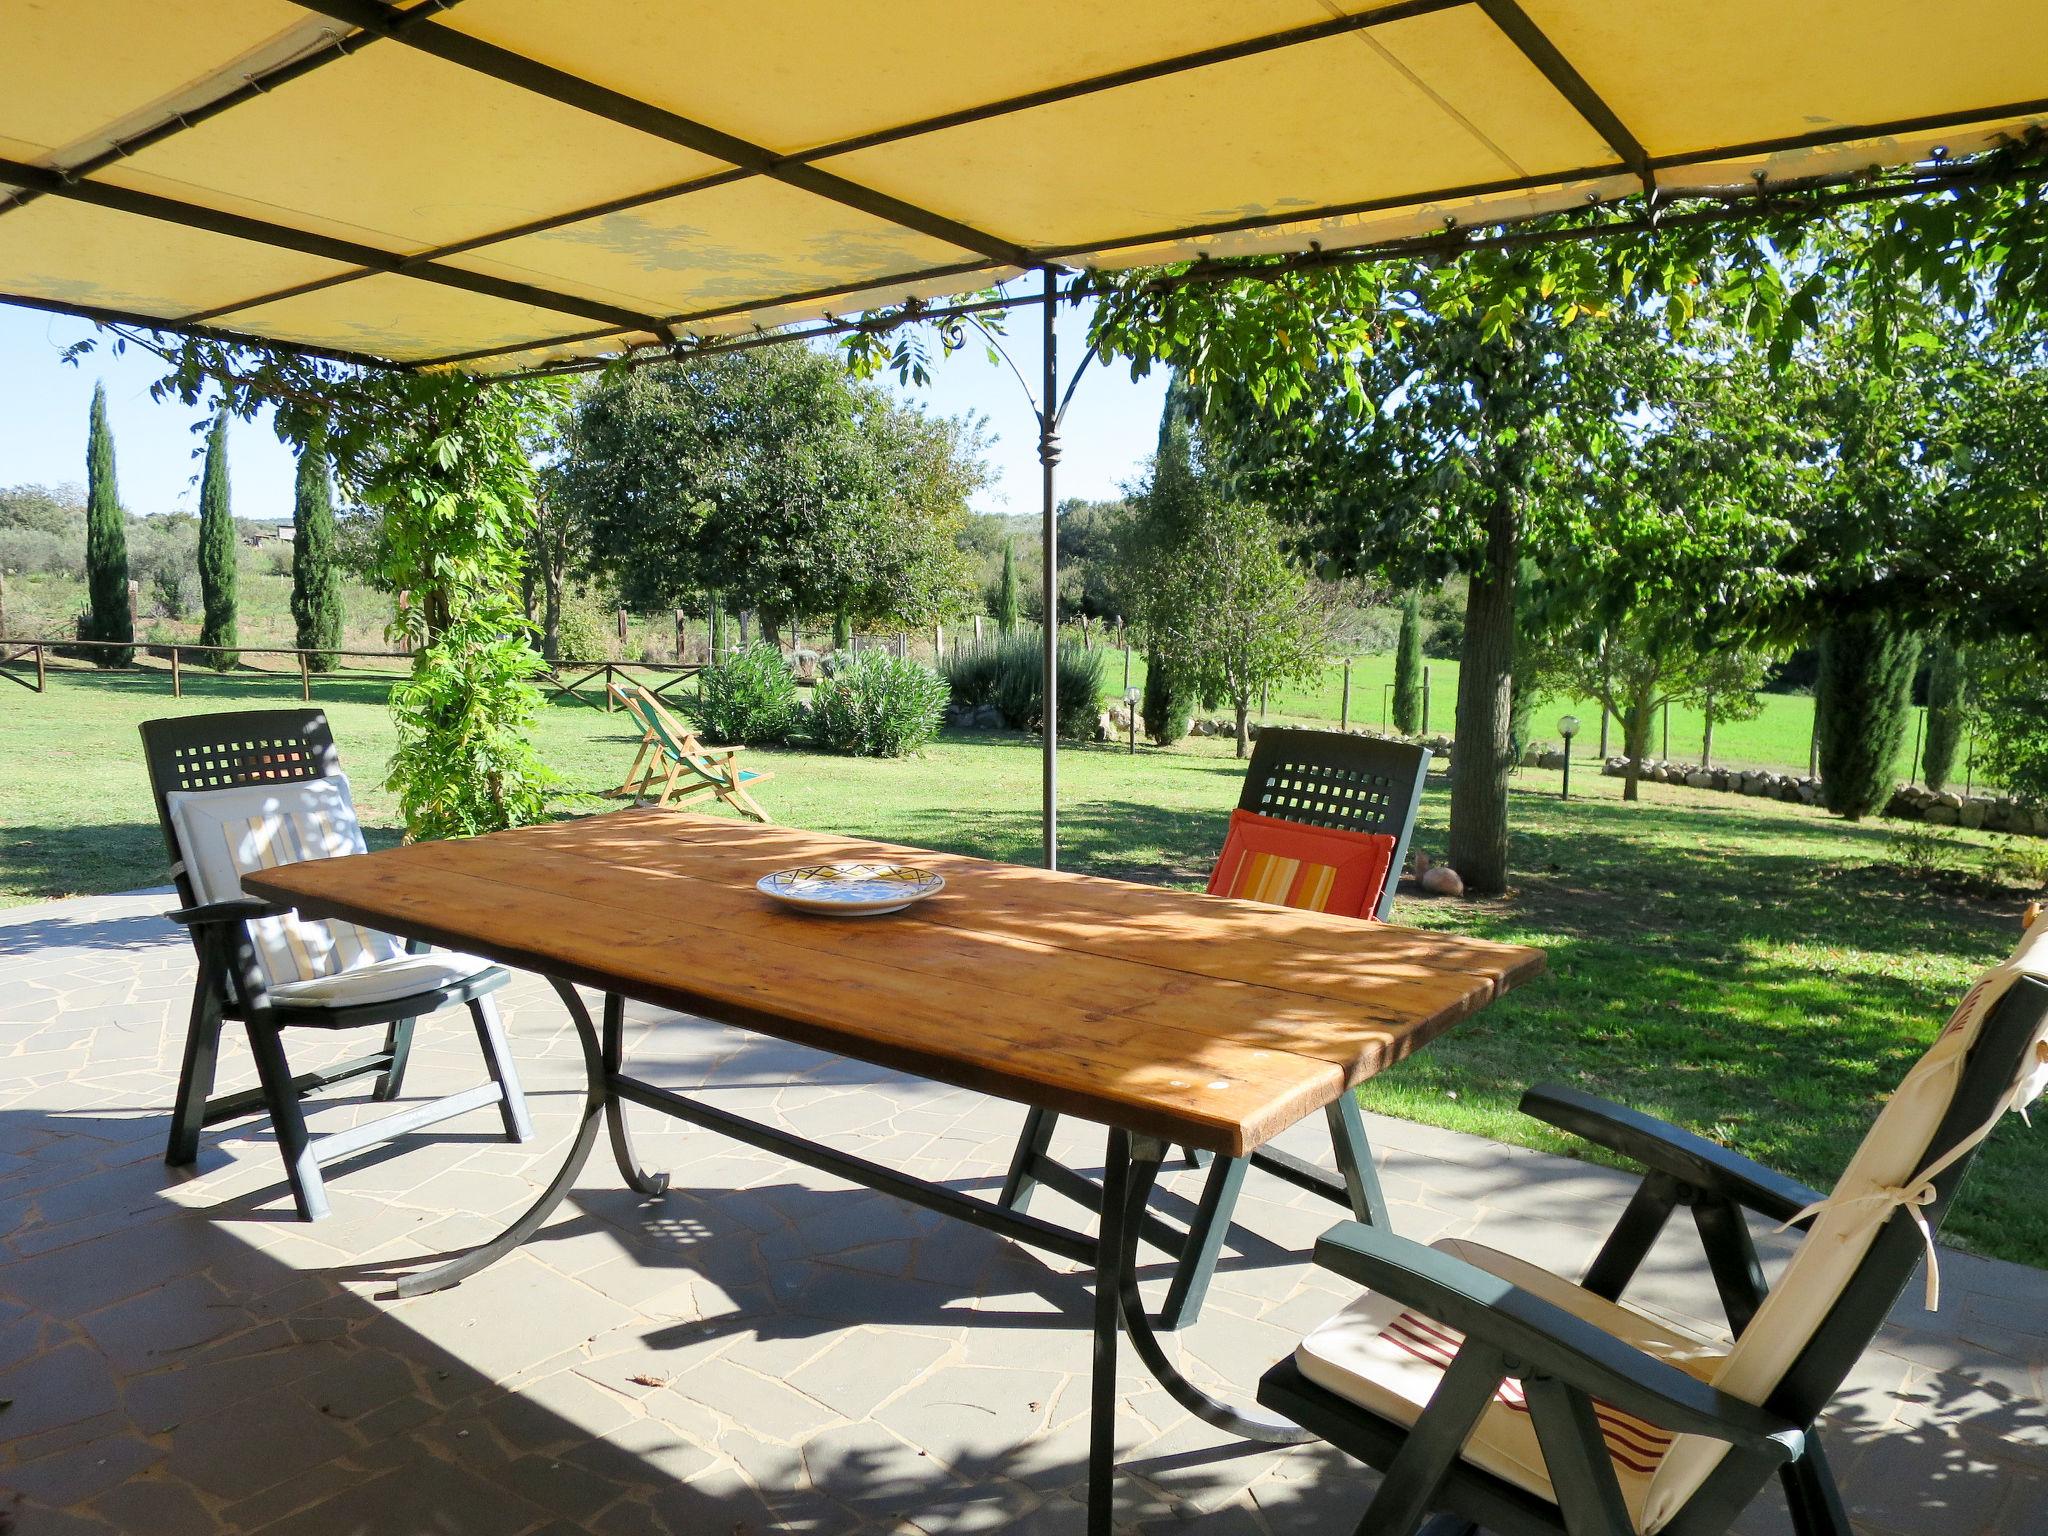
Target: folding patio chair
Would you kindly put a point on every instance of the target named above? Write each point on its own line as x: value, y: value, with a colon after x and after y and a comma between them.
x: 253, y: 789
x: 678, y: 765
x: 1497, y: 1395
x: 1323, y: 823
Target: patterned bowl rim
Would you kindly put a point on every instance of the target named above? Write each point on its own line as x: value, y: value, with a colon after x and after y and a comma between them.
x: 829, y: 878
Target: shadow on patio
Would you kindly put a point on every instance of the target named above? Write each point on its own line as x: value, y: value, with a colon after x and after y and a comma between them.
x: 765, y: 1350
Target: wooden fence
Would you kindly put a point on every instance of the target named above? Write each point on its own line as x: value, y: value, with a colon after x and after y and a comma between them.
x: 567, y: 679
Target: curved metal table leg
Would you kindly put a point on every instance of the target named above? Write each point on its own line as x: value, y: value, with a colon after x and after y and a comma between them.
x: 1268, y: 1429
x: 445, y: 1275
x: 636, y: 1177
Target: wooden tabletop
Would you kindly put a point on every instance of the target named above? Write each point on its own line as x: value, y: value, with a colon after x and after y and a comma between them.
x: 1211, y: 1022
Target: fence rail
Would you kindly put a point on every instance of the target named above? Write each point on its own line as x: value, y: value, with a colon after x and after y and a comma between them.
x: 17, y: 655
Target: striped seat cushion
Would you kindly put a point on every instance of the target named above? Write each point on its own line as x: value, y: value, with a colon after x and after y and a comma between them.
x: 224, y: 834
x: 1318, y: 869
x: 1389, y: 1359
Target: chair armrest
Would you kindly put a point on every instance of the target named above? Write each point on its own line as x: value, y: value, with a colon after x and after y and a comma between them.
x: 243, y: 909
x: 1543, y: 1338
x: 1688, y: 1158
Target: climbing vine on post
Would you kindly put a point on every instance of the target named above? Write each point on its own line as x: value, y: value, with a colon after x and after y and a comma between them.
x: 448, y: 460
x: 455, y: 484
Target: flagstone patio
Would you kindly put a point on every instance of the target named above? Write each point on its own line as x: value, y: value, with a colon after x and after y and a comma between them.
x: 765, y: 1349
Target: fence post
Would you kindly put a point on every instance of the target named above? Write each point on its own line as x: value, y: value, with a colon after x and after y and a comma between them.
x: 679, y: 634
x: 177, y: 679
x: 977, y: 629
x: 622, y: 623
x: 938, y: 644
x: 1344, y: 714
x: 608, y: 682
x: 41, y: 680
x: 305, y: 677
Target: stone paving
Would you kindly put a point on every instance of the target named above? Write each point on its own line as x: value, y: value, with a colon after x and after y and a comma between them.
x: 765, y: 1349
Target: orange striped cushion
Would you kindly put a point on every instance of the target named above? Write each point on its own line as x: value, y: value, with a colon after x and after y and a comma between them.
x: 1318, y: 869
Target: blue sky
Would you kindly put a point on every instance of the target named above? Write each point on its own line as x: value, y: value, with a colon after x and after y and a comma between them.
x: 44, y: 402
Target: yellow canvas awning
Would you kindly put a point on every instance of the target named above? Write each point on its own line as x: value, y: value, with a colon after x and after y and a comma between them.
x: 500, y: 184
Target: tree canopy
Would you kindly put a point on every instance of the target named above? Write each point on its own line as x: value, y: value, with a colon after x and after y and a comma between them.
x: 772, y: 477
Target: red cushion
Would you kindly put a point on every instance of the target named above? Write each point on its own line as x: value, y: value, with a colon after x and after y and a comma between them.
x: 1320, y: 869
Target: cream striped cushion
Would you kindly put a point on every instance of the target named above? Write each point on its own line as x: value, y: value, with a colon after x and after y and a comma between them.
x: 226, y: 833
x: 1389, y: 1359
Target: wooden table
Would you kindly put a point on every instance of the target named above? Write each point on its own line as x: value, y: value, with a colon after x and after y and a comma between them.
x: 1170, y: 1018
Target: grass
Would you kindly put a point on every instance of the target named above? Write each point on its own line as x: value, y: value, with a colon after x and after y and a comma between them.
x: 1778, y: 738
x: 1757, y: 972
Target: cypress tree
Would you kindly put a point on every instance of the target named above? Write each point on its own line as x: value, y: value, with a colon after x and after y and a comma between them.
x: 106, y: 542
x: 1009, y: 601
x: 1944, y: 714
x: 217, y: 550
x: 316, y: 583
x: 1408, y: 667
x: 1168, y: 705
x: 1864, y: 697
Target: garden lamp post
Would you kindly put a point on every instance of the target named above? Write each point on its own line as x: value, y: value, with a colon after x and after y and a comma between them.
x: 1131, y: 711
x: 1567, y: 727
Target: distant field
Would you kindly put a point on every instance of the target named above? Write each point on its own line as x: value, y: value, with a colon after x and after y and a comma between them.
x: 1778, y: 738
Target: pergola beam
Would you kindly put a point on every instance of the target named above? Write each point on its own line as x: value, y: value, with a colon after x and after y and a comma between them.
x: 151, y: 205
x: 1565, y: 79
x: 102, y: 316
x: 516, y: 69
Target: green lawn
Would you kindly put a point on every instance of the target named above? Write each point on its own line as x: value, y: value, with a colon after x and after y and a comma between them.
x: 1752, y: 970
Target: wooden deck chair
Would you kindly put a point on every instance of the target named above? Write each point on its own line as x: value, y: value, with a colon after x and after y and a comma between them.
x: 643, y: 759
x: 1495, y: 1394
x: 1322, y: 822
x: 680, y: 766
x: 252, y: 789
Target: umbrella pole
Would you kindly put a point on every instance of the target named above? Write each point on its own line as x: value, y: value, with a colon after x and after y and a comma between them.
x: 1048, y: 457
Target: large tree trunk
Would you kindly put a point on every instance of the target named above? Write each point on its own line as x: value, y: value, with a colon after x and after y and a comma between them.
x: 1635, y: 742
x: 1244, y: 733
x: 550, y: 613
x: 1481, y: 758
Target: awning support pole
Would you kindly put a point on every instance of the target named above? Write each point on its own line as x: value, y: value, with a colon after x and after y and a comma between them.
x: 1049, y: 457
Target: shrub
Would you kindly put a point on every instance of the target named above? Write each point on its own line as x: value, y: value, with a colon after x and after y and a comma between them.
x: 39, y: 552
x: 1921, y: 852
x: 878, y: 706
x: 2021, y: 861
x: 747, y: 699
x: 583, y: 634
x: 1007, y: 670
x: 174, y: 587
